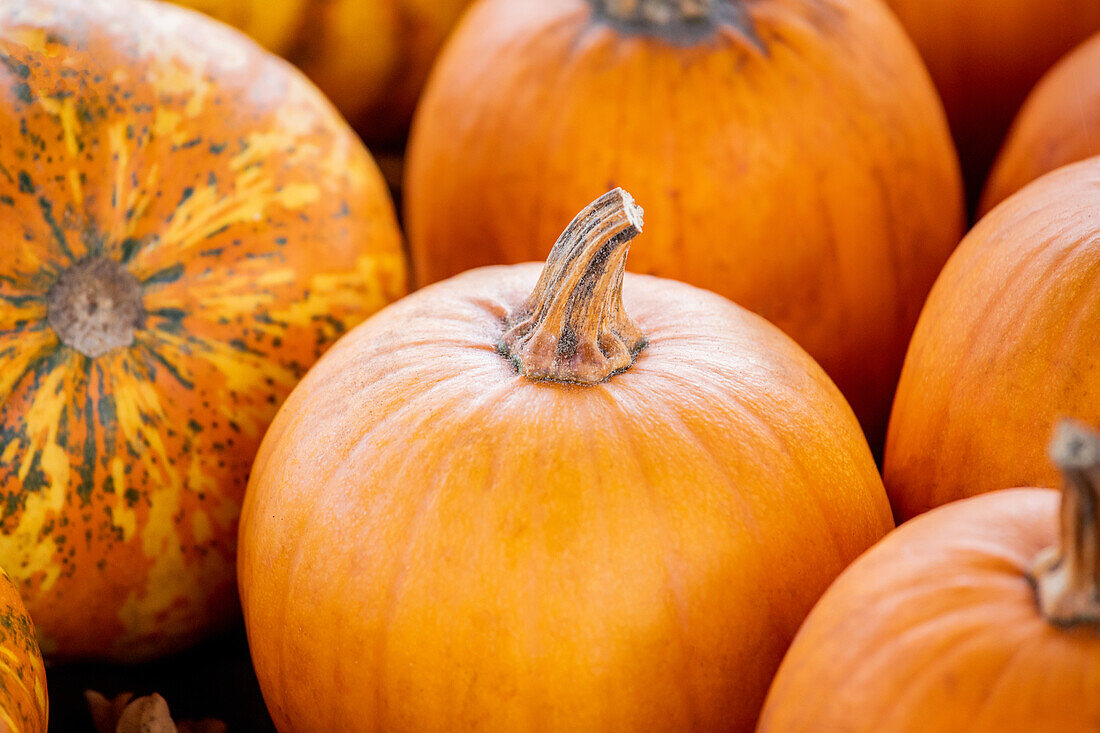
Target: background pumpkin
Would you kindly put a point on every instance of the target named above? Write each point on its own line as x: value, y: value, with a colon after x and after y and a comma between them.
x: 439, y: 536
x: 940, y: 628
x: 777, y: 169
x: 1007, y: 339
x: 986, y: 55
x: 24, y: 707
x: 1059, y: 124
x: 187, y: 226
x: 371, y: 57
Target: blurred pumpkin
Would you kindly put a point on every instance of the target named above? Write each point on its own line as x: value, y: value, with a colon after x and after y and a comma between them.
x: 187, y: 225
x: 1005, y: 346
x: 582, y: 507
x: 980, y: 616
x: 24, y: 705
x: 1059, y: 124
x: 371, y: 57
x: 793, y: 153
x: 986, y: 55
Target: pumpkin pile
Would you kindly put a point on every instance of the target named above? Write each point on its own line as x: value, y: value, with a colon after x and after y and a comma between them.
x: 606, y: 469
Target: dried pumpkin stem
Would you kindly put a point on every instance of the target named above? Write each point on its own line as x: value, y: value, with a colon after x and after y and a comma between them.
x: 656, y: 12
x: 573, y: 327
x: 1067, y: 576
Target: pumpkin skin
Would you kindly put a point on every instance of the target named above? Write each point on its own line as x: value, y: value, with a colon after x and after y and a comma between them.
x: 936, y: 629
x: 24, y: 704
x: 986, y: 55
x: 1006, y: 339
x: 775, y: 169
x: 1059, y: 124
x: 193, y: 198
x: 371, y: 57
x: 432, y: 541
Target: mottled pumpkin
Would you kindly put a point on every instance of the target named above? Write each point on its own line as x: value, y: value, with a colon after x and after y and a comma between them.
x: 24, y: 704
x: 371, y: 57
x: 981, y: 616
x: 1059, y: 124
x: 1006, y: 345
x: 186, y: 226
x: 793, y: 155
x: 567, y: 502
x: 986, y: 55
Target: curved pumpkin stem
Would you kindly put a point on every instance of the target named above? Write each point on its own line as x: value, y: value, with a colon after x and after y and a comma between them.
x: 573, y: 327
x: 656, y: 12
x: 1067, y: 576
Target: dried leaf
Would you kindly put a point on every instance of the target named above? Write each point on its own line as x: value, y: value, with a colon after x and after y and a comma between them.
x: 148, y: 714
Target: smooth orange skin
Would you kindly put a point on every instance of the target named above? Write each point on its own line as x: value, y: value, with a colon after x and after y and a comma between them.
x: 814, y: 184
x: 371, y: 57
x: 432, y: 542
x: 1005, y: 347
x: 24, y: 699
x: 937, y: 630
x: 986, y: 55
x: 260, y: 230
x: 1059, y: 124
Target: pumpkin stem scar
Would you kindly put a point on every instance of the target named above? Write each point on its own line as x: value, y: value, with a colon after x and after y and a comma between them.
x: 1067, y: 576
x: 573, y: 327
x: 95, y: 306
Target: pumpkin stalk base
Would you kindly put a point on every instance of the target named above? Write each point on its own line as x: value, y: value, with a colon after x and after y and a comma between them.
x: 95, y: 306
x: 656, y: 12
x: 1067, y: 576
x: 573, y: 327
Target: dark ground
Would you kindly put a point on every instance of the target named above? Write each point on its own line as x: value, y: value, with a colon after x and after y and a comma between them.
x: 212, y: 680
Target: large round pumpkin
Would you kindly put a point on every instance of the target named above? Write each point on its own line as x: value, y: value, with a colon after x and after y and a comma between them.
x: 186, y: 226
x: 792, y: 154
x: 981, y: 616
x: 1006, y: 341
x: 24, y: 706
x: 986, y: 55
x: 1059, y: 124
x: 370, y: 57
x: 492, y: 508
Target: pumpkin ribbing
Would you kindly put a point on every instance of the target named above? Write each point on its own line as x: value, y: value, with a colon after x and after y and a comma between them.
x: 573, y: 327
x: 1067, y: 576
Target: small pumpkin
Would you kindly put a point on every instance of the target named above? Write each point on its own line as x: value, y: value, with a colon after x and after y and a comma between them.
x: 777, y: 171
x: 24, y: 699
x: 1059, y: 124
x: 371, y: 57
x: 186, y: 226
x: 569, y: 501
x: 980, y: 616
x: 986, y: 55
x: 1007, y: 340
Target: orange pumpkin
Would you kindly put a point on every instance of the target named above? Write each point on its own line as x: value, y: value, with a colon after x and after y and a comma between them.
x: 779, y: 172
x: 371, y: 57
x: 488, y: 510
x: 986, y: 55
x: 1008, y: 340
x: 187, y: 225
x: 1059, y: 124
x: 961, y: 620
x: 24, y: 706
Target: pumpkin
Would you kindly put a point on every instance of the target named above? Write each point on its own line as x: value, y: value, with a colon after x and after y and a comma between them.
x: 777, y: 171
x: 1006, y: 340
x: 980, y: 616
x: 986, y: 55
x: 371, y: 57
x: 24, y: 706
x: 187, y: 225
x: 569, y: 501
x: 1059, y: 124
